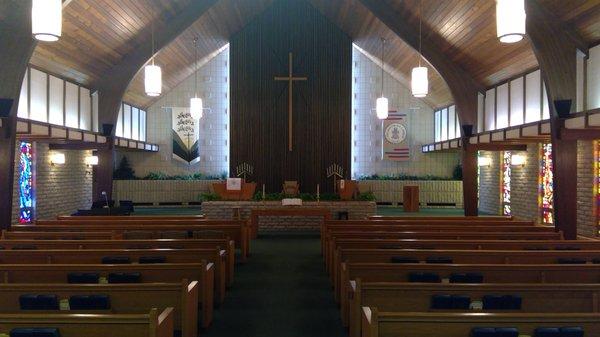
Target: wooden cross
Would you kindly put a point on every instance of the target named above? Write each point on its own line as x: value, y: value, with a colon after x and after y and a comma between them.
x: 290, y: 79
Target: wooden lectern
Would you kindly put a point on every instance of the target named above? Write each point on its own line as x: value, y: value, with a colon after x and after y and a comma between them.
x: 246, y: 193
x: 348, y: 189
x: 411, y: 198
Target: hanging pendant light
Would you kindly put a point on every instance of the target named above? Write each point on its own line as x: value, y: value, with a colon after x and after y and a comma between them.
x: 419, y: 78
x: 153, y: 75
x: 196, y: 104
x: 382, y: 103
x: 510, y: 20
x: 46, y: 19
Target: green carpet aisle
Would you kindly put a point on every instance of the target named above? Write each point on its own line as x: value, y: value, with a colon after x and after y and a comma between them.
x: 282, y: 291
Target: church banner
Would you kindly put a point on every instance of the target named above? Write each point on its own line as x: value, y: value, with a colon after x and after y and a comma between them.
x: 395, y: 137
x: 185, y: 136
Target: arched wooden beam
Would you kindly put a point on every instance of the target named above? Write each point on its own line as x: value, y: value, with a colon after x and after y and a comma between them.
x: 463, y: 86
x: 555, y: 51
x: 16, y: 48
x: 114, y: 83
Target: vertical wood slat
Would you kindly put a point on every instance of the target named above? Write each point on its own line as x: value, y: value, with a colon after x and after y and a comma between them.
x: 322, y: 105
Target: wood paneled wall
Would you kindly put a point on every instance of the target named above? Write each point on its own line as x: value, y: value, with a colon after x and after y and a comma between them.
x: 322, y: 105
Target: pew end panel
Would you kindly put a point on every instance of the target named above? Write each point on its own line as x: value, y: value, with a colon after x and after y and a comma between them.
x: 370, y: 322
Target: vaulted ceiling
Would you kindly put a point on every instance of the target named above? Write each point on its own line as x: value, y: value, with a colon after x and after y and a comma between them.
x: 97, y: 34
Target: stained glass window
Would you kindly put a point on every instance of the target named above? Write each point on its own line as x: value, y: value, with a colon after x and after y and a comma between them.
x: 546, y: 184
x: 506, y: 176
x: 26, y: 192
x: 597, y: 180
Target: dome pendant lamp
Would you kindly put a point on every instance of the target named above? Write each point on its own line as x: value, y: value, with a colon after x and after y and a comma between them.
x: 153, y: 75
x: 419, y: 79
x: 46, y: 20
x: 382, y: 103
x: 510, y: 20
x: 196, y: 105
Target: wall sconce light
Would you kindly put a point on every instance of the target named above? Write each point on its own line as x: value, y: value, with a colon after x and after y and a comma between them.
x: 484, y: 161
x: 517, y: 160
x: 91, y: 160
x: 57, y: 159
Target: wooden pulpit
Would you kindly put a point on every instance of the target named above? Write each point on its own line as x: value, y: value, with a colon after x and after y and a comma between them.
x: 246, y: 192
x: 348, y: 189
x: 410, y: 198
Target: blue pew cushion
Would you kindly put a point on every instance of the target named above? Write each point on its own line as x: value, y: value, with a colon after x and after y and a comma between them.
x: 460, y: 302
x: 116, y: 260
x: 403, y: 259
x: 571, y: 331
x: 424, y: 277
x: 571, y: 261
x: 38, y: 302
x: 441, y: 302
x: 483, y: 332
x: 34, y: 332
x: 152, y: 259
x: 507, y: 332
x: 83, y: 278
x: 124, y: 278
x: 89, y: 302
x: 547, y: 332
x: 439, y: 259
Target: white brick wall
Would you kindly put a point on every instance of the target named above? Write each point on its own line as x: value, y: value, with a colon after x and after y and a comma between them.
x: 367, y: 133
x: 489, y: 184
x: 59, y: 189
x: 213, y: 86
x: 525, y: 186
x: 586, y: 213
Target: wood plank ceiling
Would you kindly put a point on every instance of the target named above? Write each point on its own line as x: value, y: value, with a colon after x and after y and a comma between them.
x: 98, y: 33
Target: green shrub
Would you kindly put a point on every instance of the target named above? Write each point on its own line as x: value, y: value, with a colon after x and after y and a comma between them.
x: 404, y: 177
x: 209, y: 197
x: 124, y: 171
x: 368, y: 196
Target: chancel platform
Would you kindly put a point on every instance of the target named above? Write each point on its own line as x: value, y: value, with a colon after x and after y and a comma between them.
x: 297, y: 217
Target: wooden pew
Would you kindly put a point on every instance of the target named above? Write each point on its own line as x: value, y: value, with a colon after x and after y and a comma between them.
x: 130, y: 217
x: 492, y: 273
x: 237, y: 231
x: 394, y: 324
x: 451, y: 217
x: 150, y: 273
x: 151, y: 324
x: 339, y: 230
x: 8, y: 235
x: 215, y: 256
x: 359, y: 243
x: 459, y: 257
x: 423, y: 222
x: 226, y: 244
x: 124, y: 299
x: 416, y: 297
x: 330, y: 244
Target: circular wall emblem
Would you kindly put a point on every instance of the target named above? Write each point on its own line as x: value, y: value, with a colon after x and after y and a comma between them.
x: 395, y: 133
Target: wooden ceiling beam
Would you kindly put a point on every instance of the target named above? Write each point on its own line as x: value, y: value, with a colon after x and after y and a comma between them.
x: 16, y: 48
x: 462, y: 85
x: 114, y: 83
x: 567, y: 29
x: 555, y: 51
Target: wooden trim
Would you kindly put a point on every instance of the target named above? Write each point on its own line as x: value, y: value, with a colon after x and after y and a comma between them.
x: 524, y: 98
x: 47, y: 97
x: 28, y: 93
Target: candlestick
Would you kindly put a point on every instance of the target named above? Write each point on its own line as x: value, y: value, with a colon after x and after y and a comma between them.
x: 263, y: 194
x: 318, y: 192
